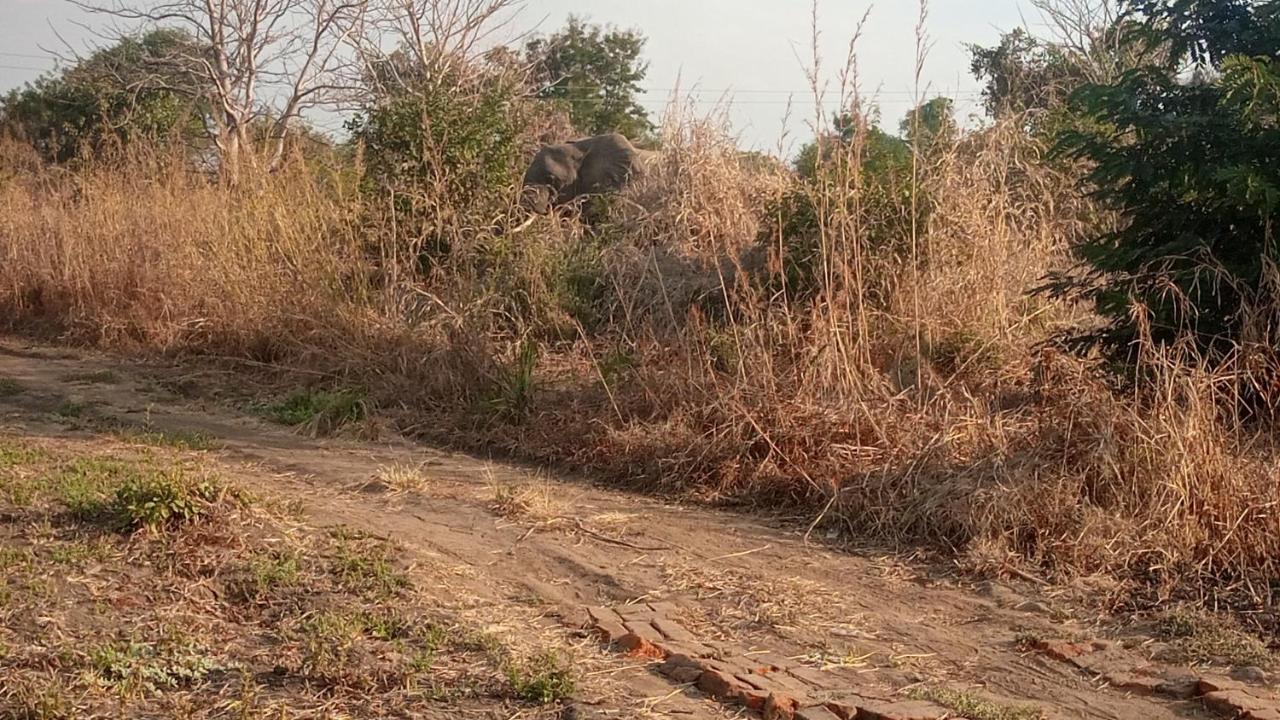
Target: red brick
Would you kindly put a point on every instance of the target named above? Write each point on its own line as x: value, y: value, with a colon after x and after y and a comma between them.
x: 910, y: 710
x: 1216, y: 683
x: 604, y: 615
x: 672, y: 630
x: 664, y: 608
x: 771, y: 660
x: 1063, y: 650
x: 636, y: 646
x: 776, y: 682
x: 754, y: 699
x: 719, y: 685
x: 644, y: 630
x: 610, y: 631
x: 692, y: 650
x: 681, y: 673
x: 816, y: 713
x: 1235, y: 702
x: 812, y: 676
x: 1134, y: 683
x: 1179, y: 688
x: 780, y: 706
x: 634, y: 611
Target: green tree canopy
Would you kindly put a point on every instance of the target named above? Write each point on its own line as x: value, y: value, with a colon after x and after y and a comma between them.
x: 139, y: 87
x: 1192, y: 167
x: 596, y: 72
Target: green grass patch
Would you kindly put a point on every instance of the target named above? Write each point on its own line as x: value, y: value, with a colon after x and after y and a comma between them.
x: 158, y: 500
x: 363, y: 564
x: 71, y: 409
x: 1207, y: 638
x: 96, y: 377
x: 175, y: 439
x: 9, y: 387
x: 973, y: 706
x: 542, y: 679
x: 322, y: 411
x: 135, y: 666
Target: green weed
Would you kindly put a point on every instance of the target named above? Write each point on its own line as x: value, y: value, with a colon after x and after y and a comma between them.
x: 176, y: 439
x: 511, y: 394
x: 1201, y: 637
x: 973, y: 706
x: 321, y: 410
x: 364, y: 565
x: 543, y: 679
x: 158, y: 500
x: 135, y: 666
x: 101, y: 377
x: 70, y: 409
x: 9, y: 387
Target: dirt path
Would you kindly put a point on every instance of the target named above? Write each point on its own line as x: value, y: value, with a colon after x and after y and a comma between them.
x: 515, y: 544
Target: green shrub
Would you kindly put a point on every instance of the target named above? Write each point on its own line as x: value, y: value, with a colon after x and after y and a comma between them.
x: 1192, y: 169
x: 158, y: 500
x: 545, y: 678
x: 323, y: 410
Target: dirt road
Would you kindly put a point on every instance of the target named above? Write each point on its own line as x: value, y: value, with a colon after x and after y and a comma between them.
x: 511, y: 546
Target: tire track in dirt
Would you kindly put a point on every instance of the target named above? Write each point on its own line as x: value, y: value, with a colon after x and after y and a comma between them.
x: 896, y: 625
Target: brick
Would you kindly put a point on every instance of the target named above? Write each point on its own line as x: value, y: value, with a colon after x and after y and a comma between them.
x: 910, y: 710
x: 636, y: 646
x: 666, y: 609
x: 819, y: 712
x: 1134, y: 683
x: 776, y: 682
x: 1217, y: 683
x: 780, y: 706
x: 1235, y: 702
x: 610, y: 631
x: 813, y: 677
x: 644, y: 630
x: 634, y: 611
x: 719, y: 685
x: 729, y: 666
x: 601, y: 615
x: 681, y: 673
x: 1262, y: 714
x: 754, y: 699
x: 1063, y: 650
x: 773, y: 661
x: 1180, y: 688
x: 672, y: 630
x: 692, y: 650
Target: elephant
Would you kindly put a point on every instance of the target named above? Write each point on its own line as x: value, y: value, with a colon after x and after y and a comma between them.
x: 563, y: 172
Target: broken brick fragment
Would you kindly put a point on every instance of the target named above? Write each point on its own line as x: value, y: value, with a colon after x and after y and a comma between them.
x: 636, y: 646
x: 909, y: 710
x: 720, y: 685
x: 818, y: 712
x: 644, y: 630
x: 780, y: 706
x: 1063, y: 650
x: 672, y: 630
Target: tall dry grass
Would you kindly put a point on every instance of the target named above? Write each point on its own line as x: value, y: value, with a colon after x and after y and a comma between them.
x: 907, y: 398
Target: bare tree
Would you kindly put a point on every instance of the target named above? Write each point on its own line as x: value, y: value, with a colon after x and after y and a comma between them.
x: 262, y: 63
x: 434, y: 36
x: 1094, y: 34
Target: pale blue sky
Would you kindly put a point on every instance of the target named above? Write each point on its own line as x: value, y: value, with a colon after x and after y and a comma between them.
x: 753, y: 49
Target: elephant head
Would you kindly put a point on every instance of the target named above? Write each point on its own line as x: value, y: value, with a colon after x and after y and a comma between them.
x: 564, y: 172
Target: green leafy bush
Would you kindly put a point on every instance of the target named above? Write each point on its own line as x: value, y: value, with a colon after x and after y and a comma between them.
x: 162, y: 499
x: 1192, y: 169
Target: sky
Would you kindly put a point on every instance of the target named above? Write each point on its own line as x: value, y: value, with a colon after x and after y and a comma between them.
x: 750, y: 54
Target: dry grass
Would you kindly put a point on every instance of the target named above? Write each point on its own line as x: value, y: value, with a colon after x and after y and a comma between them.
x: 903, y: 396
x: 229, y: 607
